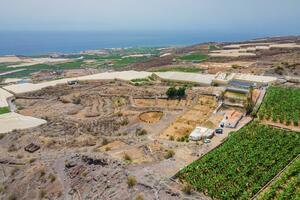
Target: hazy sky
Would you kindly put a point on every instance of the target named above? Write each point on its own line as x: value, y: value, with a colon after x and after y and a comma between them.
x: 269, y: 16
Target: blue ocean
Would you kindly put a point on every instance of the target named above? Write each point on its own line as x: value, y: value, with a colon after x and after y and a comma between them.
x: 30, y: 43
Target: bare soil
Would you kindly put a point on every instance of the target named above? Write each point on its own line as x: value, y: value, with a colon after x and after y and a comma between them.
x: 90, y: 128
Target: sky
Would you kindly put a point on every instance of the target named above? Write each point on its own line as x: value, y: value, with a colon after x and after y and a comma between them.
x: 264, y: 16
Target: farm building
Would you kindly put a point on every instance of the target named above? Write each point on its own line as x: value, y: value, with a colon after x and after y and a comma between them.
x: 201, y: 132
x: 232, y: 118
x: 243, y: 80
x: 201, y: 79
x: 254, y: 80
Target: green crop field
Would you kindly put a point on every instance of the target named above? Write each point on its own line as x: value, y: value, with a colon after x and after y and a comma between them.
x: 244, y: 163
x: 281, y: 104
x: 4, y: 110
x: 126, y: 61
x: 286, y: 186
x: 35, y: 68
x: 194, y: 57
x: 213, y: 47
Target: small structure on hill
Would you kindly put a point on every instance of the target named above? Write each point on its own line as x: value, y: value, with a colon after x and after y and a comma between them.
x: 232, y: 118
x: 31, y: 148
x: 243, y: 80
x: 73, y: 82
x: 201, y: 133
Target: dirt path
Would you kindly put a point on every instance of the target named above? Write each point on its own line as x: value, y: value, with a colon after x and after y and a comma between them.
x: 279, y: 125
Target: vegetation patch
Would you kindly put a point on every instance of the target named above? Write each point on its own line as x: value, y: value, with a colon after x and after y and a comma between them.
x: 286, y: 186
x: 213, y: 47
x: 244, y: 163
x: 4, y: 110
x: 39, y: 67
x: 126, y: 61
x: 179, y: 93
x: 194, y: 57
x: 281, y: 104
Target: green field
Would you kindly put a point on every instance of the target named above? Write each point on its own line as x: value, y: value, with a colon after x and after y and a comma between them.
x: 286, y: 186
x: 213, y: 47
x: 129, y: 60
x: 179, y: 69
x: 114, y: 59
x: 281, y: 105
x: 4, y: 110
x: 244, y: 163
x: 35, y: 68
x: 194, y: 57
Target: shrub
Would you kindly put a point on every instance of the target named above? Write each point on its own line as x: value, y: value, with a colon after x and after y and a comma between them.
x: 14, y: 171
x: 127, y: 157
x: 52, y: 177
x: 187, y: 188
x: 2, y: 136
x: 12, y: 148
x: 124, y: 122
x: 181, y: 92
x: 140, y: 132
x: 42, y: 173
x: 171, y: 92
x: 169, y: 154
x: 139, y: 197
x: 171, y: 137
x: 131, y: 181
x: 12, y: 197
x: 77, y: 100
x: 42, y: 193
x: 104, y: 141
x: 84, y: 174
x: 107, y: 148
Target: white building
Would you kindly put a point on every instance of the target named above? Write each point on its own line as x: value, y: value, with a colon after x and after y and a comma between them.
x: 201, y: 132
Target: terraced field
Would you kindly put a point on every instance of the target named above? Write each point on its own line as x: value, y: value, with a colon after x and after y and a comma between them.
x: 247, y: 161
x: 281, y: 105
x: 4, y: 110
x: 286, y: 186
x: 194, y: 57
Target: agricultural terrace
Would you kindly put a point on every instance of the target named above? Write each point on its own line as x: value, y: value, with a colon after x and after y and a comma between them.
x: 244, y: 163
x: 4, y: 110
x: 194, y: 57
x: 281, y: 105
x: 286, y: 186
x: 198, y: 114
x: 27, y: 70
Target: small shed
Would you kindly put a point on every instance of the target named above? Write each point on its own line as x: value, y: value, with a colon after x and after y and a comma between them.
x: 232, y: 118
x: 201, y: 132
x: 73, y: 82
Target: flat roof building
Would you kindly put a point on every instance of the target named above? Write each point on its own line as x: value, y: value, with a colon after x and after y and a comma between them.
x: 242, y: 80
x: 232, y: 118
x: 201, y: 132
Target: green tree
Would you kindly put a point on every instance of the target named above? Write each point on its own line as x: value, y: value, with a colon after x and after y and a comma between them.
x: 181, y: 92
x: 171, y: 92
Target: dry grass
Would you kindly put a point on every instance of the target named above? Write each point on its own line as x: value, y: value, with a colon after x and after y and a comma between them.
x: 151, y: 116
x: 196, y: 115
x: 131, y: 181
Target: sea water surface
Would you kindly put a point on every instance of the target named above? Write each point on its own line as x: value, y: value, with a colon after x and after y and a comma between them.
x: 44, y: 42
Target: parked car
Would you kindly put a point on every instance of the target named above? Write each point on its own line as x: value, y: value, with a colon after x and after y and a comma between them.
x: 222, y: 124
x: 219, y: 131
x: 73, y: 82
x: 206, y: 141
